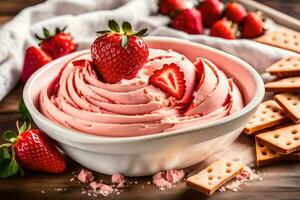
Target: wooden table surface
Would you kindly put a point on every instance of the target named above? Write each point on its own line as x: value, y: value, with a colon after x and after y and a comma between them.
x: 281, y: 181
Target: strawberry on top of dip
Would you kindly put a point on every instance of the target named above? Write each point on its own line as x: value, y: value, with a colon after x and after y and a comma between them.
x: 165, y: 92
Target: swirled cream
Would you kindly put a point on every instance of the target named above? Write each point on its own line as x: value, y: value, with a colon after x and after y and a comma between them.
x: 78, y: 99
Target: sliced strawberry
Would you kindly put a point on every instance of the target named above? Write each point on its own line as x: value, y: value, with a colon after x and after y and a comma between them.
x: 169, y: 79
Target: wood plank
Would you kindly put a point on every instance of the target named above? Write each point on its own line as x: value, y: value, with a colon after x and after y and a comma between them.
x: 12, y: 7
x: 10, y: 104
x: 290, y: 7
x: 4, y: 19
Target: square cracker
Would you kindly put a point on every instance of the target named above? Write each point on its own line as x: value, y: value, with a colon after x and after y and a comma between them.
x: 268, y: 114
x: 214, y: 176
x: 266, y: 156
x: 291, y: 84
x: 290, y: 103
x: 289, y: 66
x: 284, y: 140
x: 283, y: 38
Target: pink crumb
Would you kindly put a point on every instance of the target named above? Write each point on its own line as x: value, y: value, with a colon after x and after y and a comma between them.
x: 106, y: 190
x: 243, y: 175
x: 85, y: 176
x: 166, y: 179
x: 118, y: 179
x: 94, y: 185
x: 100, y: 188
x: 174, y: 176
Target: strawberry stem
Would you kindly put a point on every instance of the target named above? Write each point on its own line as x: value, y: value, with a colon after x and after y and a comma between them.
x: 48, y: 35
x: 126, y: 31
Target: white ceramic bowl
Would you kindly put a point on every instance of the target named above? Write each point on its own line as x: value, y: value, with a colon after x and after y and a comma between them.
x: 146, y: 155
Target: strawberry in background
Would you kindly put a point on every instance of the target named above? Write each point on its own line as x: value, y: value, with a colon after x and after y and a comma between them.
x: 29, y: 149
x: 211, y: 11
x: 252, y: 26
x: 34, y: 59
x: 225, y: 29
x: 52, y: 46
x: 189, y: 21
x: 170, y: 7
x: 57, y: 45
x: 235, y: 12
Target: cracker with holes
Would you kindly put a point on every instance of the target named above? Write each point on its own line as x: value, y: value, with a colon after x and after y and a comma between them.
x: 290, y: 84
x: 268, y: 114
x: 214, y: 176
x: 284, y: 140
x: 283, y: 38
x: 266, y: 156
x: 290, y: 103
x: 289, y: 66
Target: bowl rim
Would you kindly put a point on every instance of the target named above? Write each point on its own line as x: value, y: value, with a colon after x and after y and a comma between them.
x: 90, y: 138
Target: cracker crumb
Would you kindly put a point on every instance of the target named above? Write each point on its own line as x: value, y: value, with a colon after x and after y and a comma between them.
x: 244, y: 178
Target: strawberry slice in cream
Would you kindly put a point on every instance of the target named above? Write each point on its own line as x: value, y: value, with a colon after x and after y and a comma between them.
x: 79, y: 99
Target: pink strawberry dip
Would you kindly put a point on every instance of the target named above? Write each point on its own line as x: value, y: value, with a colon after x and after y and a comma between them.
x: 78, y: 99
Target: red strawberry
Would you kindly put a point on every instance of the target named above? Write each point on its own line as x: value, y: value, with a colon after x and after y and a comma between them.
x: 119, y: 54
x: 211, y: 11
x: 34, y: 59
x: 252, y: 26
x: 57, y: 45
x: 235, y: 12
x: 188, y: 20
x: 169, y: 79
x: 31, y: 149
x: 224, y: 29
x: 170, y: 7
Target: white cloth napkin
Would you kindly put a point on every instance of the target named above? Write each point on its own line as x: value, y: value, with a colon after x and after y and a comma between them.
x: 85, y: 17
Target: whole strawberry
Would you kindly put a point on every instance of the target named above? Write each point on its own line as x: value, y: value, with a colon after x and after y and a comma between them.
x: 34, y: 59
x: 57, y: 45
x: 189, y: 21
x: 30, y: 149
x: 224, y: 28
x: 119, y: 53
x: 252, y: 26
x: 211, y: 11
x: 235, y: 12
x: 170, y: 7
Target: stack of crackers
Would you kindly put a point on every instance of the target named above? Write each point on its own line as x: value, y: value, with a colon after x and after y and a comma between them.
x: 276, y: 123
x: 275, y: 126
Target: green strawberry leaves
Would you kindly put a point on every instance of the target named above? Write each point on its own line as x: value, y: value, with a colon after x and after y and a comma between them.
x: 113, y: 25
x: 48, y: 35
x: 126, y: 31
x: 4, y: 154
x: 24, y: 111
x: 8, y: 163
x: 126, y: 27
x: 141, y: 33
x: 9, y: 136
